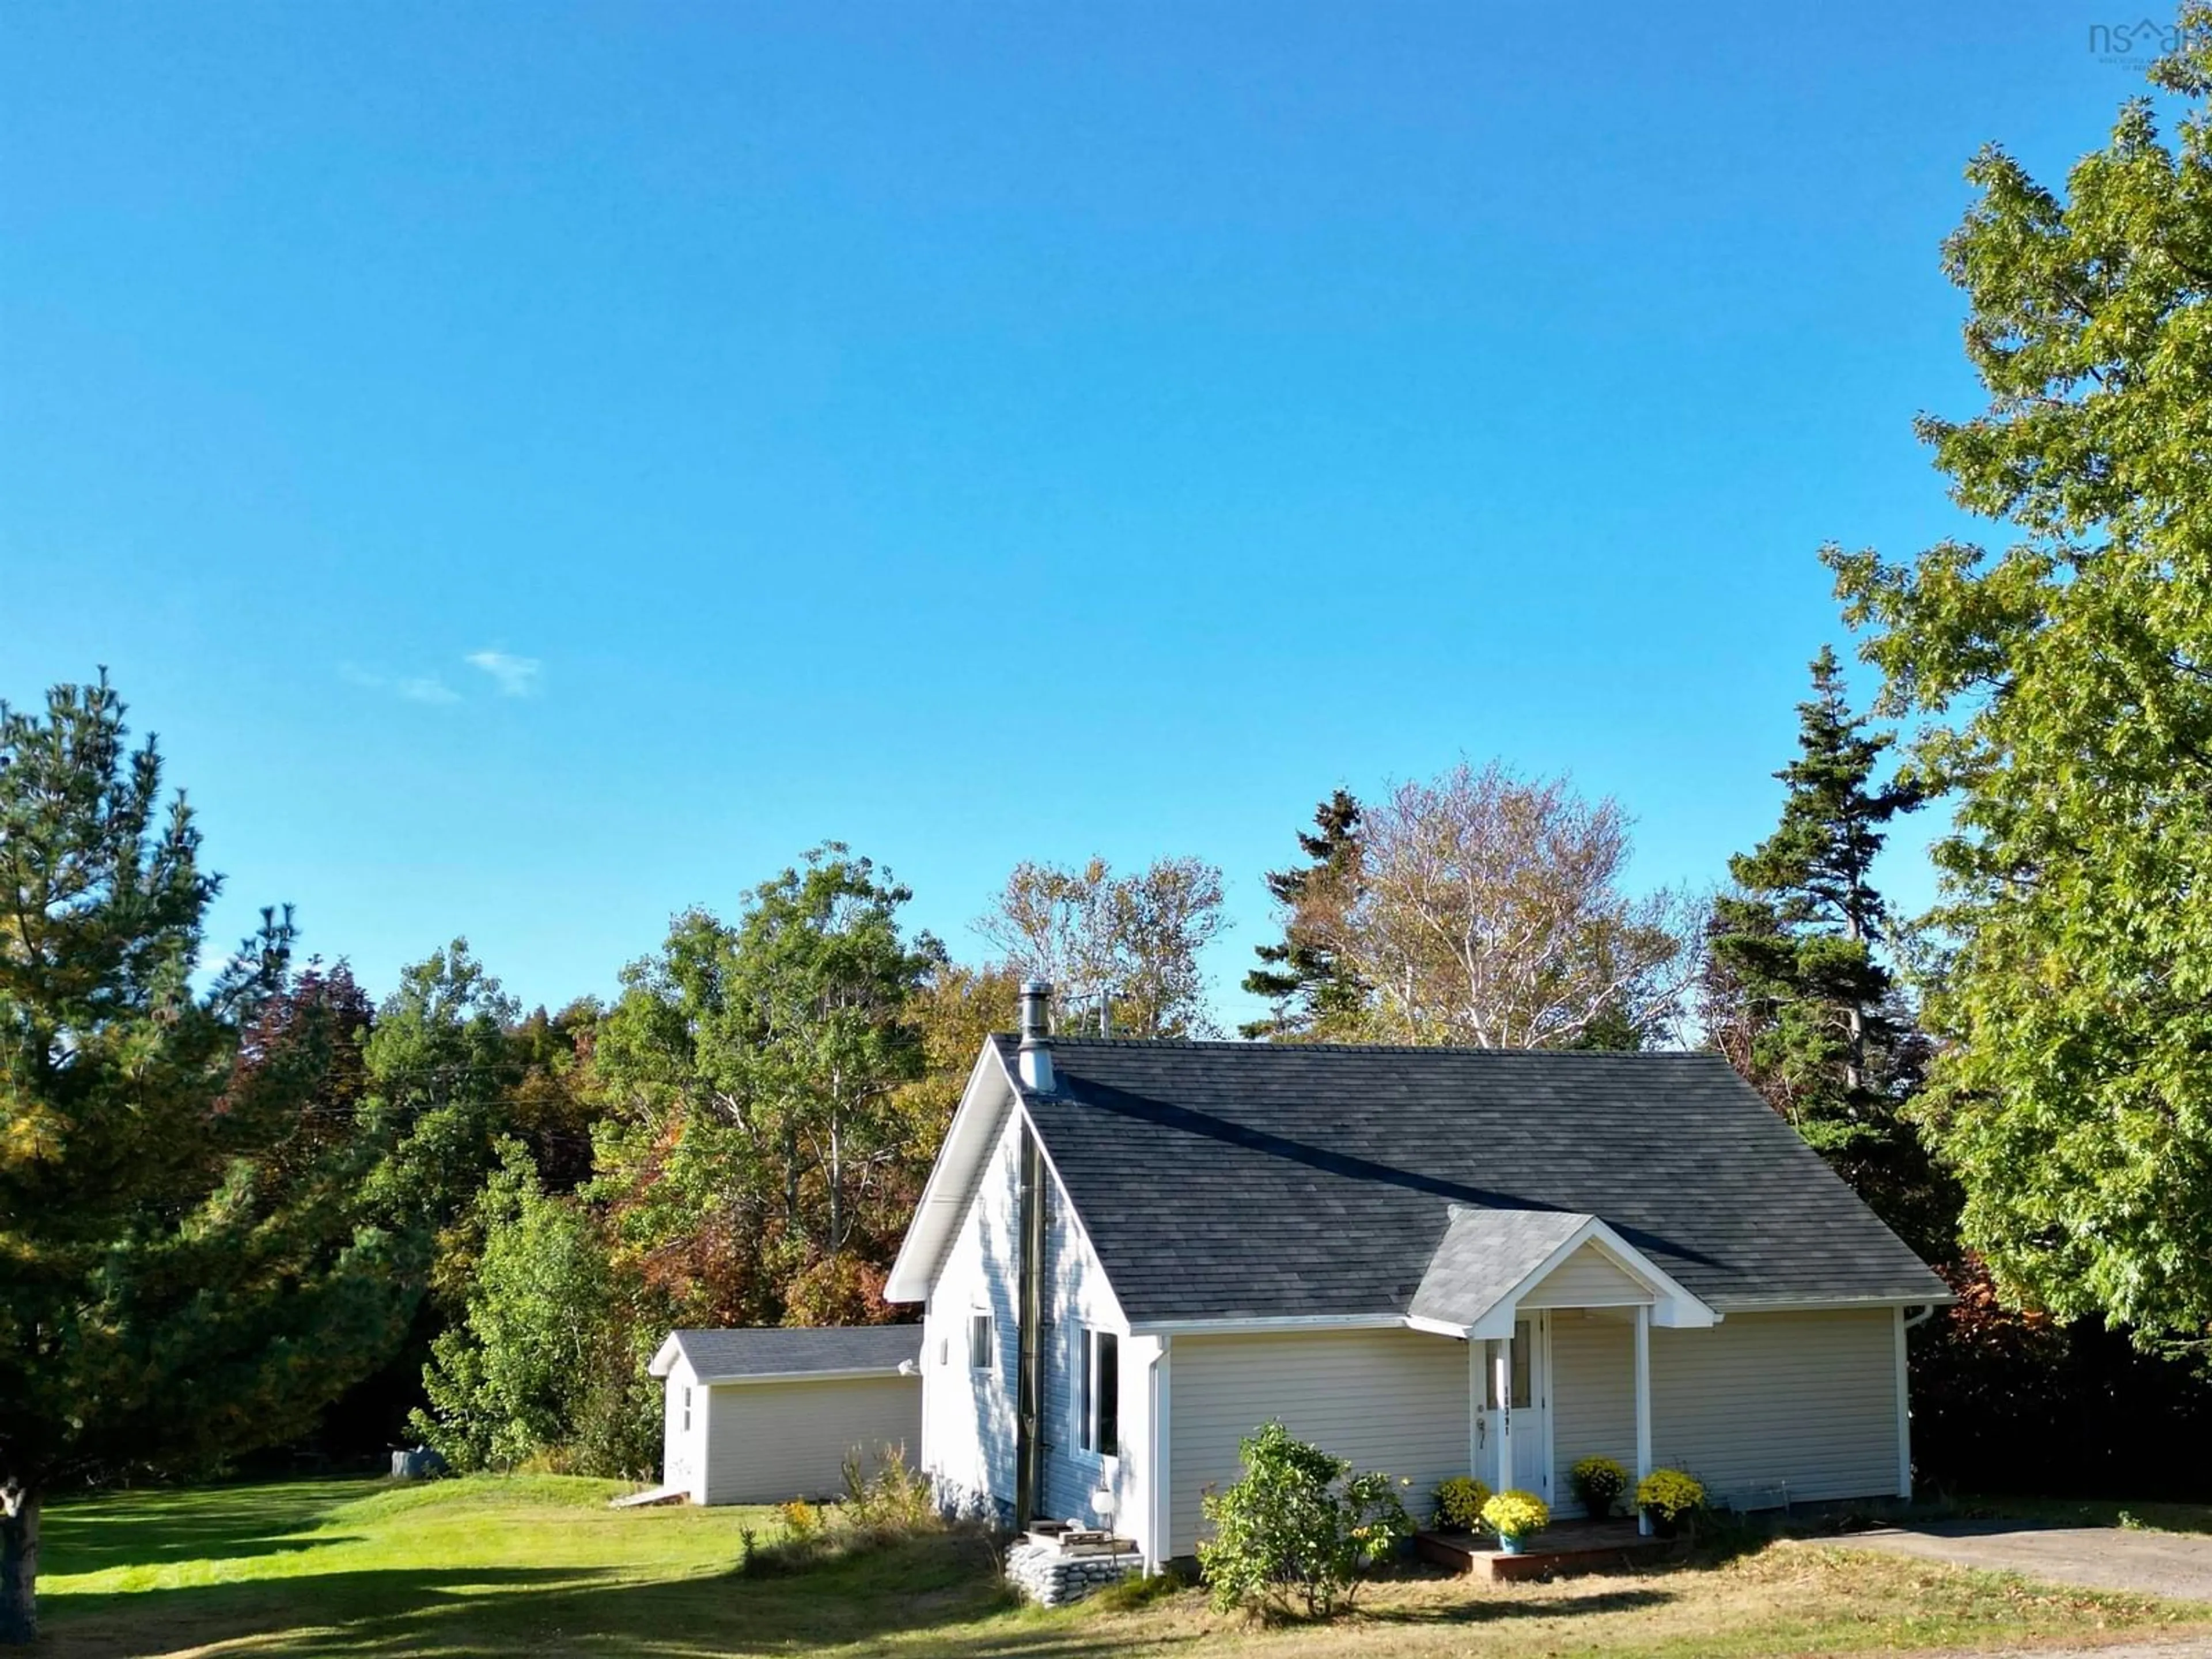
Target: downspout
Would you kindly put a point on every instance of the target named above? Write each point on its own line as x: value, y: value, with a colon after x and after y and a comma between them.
x: 1920, y: 1318
x: 1029, y: 1370
x: 1158, y: 1477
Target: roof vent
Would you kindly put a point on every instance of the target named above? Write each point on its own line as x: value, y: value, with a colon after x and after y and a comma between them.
x: 1035, y: 1063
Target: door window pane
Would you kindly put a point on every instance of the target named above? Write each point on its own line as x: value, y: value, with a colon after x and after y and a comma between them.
x: 1524, y: 1339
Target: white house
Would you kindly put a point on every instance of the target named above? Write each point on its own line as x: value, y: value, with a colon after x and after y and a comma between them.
x: 757, y: 1416
x: 1432, y: 1261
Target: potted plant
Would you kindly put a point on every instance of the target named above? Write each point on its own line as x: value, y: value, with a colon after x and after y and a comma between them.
x: 1458, y: 1503
x: 1516, y: 1517
x: 1599, y: 1483
x: 1668, y: 1498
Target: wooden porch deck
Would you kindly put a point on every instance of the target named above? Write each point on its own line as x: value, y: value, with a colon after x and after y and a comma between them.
x: 1563, y: 1550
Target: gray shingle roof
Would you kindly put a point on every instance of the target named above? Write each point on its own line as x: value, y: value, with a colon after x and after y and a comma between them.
x: 1226, y: 1180
x: 1482, y: 1255
x: 785, y: 1351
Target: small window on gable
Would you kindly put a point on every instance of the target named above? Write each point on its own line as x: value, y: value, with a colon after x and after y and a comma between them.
x: 979, y: 1342
x: 687, y: 1411
x: 1098, y: 1395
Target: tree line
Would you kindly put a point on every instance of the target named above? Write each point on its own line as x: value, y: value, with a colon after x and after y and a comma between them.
x: 259, y: 1206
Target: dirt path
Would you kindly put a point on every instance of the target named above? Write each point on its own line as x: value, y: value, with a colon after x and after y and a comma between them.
x: 2176, y: 1565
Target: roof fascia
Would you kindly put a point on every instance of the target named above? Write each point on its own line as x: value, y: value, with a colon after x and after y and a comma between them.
x: 942, y: 1205
x: 905, y: 1368
x: 1672, y: 1307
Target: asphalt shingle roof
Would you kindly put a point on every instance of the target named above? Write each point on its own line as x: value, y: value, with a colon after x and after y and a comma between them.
x: 1225, y: 1180
x: 1484, y: 1254
x: 786, y: 1351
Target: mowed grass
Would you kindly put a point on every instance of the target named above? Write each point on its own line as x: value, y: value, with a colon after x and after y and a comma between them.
x: 539, y: 1565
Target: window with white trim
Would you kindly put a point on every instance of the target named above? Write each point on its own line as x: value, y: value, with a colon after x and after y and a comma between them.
x: 687, y: 1411
x: 1098, y: 1395
x: 979, y: 1342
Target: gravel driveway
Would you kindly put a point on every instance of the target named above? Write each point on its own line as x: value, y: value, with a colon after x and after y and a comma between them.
x: 2176, y: 1565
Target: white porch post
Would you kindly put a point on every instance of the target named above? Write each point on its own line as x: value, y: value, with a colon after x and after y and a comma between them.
x: 1643, y: 1406
x: 1504, y: 1379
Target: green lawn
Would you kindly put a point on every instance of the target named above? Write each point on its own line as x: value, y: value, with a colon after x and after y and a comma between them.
x: 539, y: 1565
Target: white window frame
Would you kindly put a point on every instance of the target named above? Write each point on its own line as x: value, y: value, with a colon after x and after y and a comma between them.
x: 981, y: 1320
x: 687, y: 1409
x: 1088, y: 1371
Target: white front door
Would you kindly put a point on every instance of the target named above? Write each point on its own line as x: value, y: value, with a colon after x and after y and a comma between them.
x: 1514, y: 1406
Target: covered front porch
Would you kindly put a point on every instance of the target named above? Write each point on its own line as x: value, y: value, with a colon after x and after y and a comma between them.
x: 1506, y: 1282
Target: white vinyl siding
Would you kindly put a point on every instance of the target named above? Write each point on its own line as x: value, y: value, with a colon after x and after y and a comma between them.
x: 682, y: 1462
x: 770, y: 1441
x: 1588, y: 1279
x: 1396, y: 1400
x: 1077, y: 1301
x: 970, y: 1433
x: 1759, y: 1406
x: 1593, y: 1396
x: 1762, y: 1401
x: 968, y: 1428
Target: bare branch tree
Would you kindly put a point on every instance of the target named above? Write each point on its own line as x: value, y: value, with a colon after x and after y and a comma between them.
x: 1131, y: 939
x: 1488, y: 911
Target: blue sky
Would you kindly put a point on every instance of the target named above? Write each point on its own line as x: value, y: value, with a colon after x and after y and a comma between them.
x: 539, y: 466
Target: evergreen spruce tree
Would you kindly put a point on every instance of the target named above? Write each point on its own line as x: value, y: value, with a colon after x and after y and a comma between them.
x: 183, y: 1279
x: 1313, y: 996
x: 1794, y: 994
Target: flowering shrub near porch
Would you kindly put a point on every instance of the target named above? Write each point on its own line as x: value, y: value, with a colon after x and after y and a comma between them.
x: 1599, y: 1483
x: 1516, y: 1515
x: 1297, y: 1531
x: 1669, y: 1496
x: 1459, y: 1504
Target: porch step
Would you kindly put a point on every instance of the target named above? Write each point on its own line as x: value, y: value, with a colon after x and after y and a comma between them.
x: 1563, y: 1552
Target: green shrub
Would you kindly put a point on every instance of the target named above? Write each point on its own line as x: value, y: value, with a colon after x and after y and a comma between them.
x: 1298, y: 1529
x: 894, y: 1499
x: 1669, y: 1497
x: 1599, y: 1483
x: 1516, y: 1515
x: 1458, y: 1503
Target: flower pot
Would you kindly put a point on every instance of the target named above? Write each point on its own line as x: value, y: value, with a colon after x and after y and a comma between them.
x: 1511, y: 1543
x: 1663, y: 1525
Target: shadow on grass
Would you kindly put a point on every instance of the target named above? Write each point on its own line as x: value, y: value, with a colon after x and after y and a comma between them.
x: 935, y: 1595
x: 1483, y: 1610
x: 141, y: 1528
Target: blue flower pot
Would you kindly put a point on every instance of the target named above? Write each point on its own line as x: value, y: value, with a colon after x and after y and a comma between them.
x: 1508, y: 1544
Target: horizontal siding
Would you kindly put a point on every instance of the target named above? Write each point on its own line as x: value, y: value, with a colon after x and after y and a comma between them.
x: 971, y: 1434
x: 1592, y: 1397
x: 1076, y: 1300
x: 1805, y: 1401
x: 1395, y: 1400
x: 770, y: 1441
x: 1588, y: 1279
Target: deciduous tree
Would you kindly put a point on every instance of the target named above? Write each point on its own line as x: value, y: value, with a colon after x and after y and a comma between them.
x: 2062, y: 691
x: 1489, y: 911
x: 181, y: 1274
x: 1133, y: 940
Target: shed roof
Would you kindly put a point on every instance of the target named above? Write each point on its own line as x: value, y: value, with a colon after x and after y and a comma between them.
x: 762, y: 1353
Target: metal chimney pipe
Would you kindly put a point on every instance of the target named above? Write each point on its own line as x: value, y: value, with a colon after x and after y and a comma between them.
x: 1036, y: 1062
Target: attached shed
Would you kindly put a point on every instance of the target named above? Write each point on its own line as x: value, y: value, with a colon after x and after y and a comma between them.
x: 757, y: 1416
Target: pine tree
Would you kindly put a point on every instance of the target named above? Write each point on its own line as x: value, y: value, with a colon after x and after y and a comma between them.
x: 1313, y: 996
x: 1794, y: 994
x: 184, y: 1280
